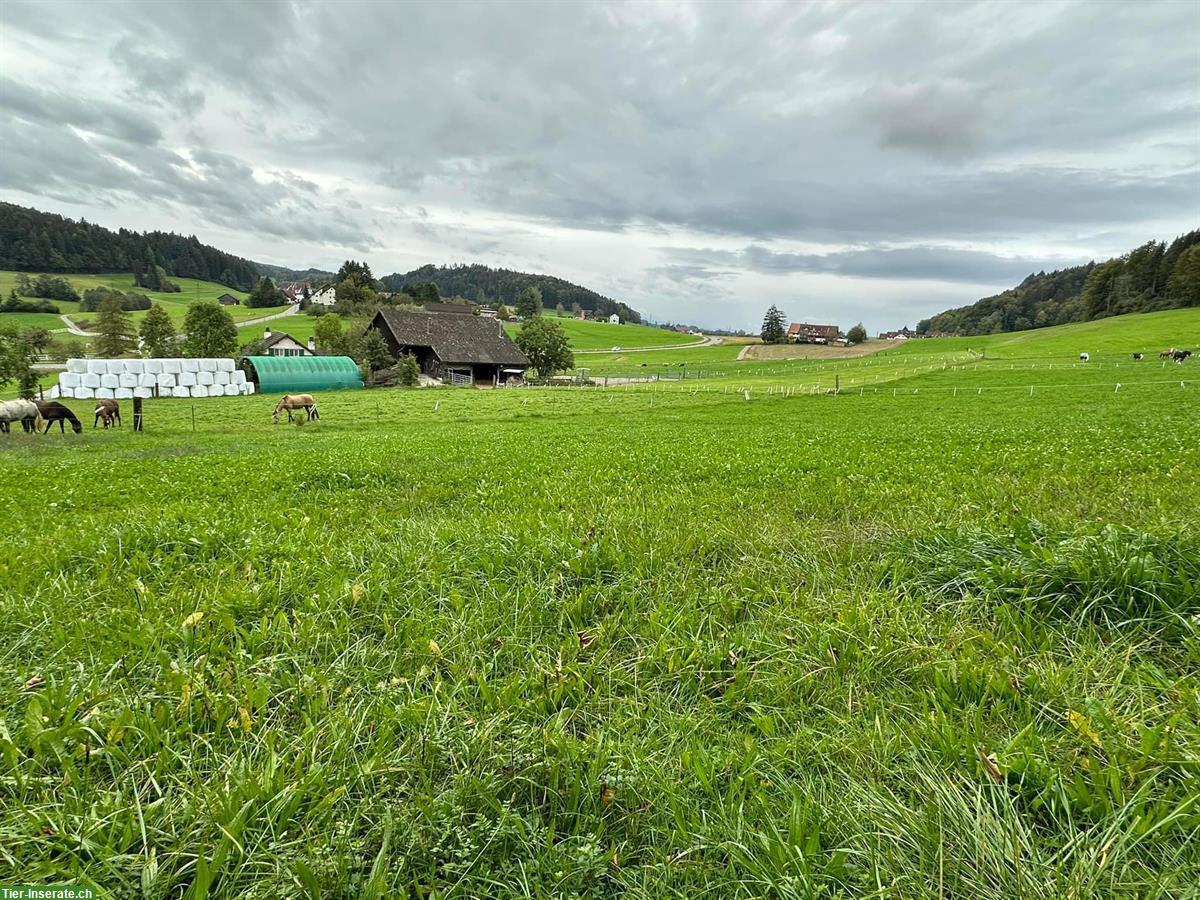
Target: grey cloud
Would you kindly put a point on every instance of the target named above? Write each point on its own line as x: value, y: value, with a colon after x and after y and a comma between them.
x: 856, y: 124
x: 36, y: 105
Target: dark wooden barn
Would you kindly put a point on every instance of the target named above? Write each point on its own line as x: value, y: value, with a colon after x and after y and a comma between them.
x: 454, y: 348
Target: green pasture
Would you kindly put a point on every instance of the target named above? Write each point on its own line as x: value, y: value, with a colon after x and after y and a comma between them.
x: 1137, y: 332
x: 585, y: 334
x: 657, y: 641
x: 176, y: 304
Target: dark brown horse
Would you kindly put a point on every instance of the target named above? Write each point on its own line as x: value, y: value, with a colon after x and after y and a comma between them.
x: 108, y: 412
x: 55, y: 412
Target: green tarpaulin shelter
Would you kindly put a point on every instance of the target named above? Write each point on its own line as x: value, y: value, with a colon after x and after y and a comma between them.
x: 302, y: 374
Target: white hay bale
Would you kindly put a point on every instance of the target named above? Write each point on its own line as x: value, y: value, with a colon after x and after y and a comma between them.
x: 146, y: 380
x: 103, y: 393
x: 221, y: 378
x: 123, y: 393
x: 225, y: 365
x: 207, y: 365
x: 187, y: 379
x: 166, y: 380
x: 143, y: 392
x: 189, y: 365
x: 249, y: 387
x: 110, y: 381
x: 237, y: 376
x: 181, y: 392
x: 82, y: 393
x: 229, y: 390
x: 172, y: 366
x: 134, y: 366
x: 128, y: 380
x: 204, y: 377
x: 96, y: 366
x: 199, y: 390
x: 68, y: 380
x: 89, y: 380
x: 77, y: 366
x: 153, y: 366
x: 116, y: 366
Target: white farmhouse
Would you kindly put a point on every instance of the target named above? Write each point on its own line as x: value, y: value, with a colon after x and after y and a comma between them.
x: 614, y: 319
x: 326, y: 296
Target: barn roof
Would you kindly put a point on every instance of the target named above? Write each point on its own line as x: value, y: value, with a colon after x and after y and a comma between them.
x: 454, y: 339
x: 280, y: 374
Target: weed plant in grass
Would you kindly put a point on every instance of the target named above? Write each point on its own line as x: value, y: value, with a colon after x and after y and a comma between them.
x: 572, y: 644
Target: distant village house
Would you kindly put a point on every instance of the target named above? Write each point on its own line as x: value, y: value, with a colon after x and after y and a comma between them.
x: 277, y: 343
x: 326, y: 296
x: 228, y: 300
x: 614, y: 319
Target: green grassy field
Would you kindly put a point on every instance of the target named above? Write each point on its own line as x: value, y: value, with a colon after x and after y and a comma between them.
x: 657, y: 640
x: 587, y: 335
x: 175, y: 304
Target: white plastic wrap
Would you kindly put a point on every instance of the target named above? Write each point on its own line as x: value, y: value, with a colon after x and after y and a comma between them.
x: 128, y: 380
x: 89, y: 380
x: 189, y: 365
x: 77, y: 366
x: 221, y: 378
x: 187, y: 379
x: 103, y: 393
x: 68, y: 380
x: 172, y: 366
x: 225, y: 365
x: 123, y: 393
x: 181, y: 392
x: 84, y: 393
x: 146, y: 380
x: 97, y: 366
x: 153, y: 366
x: 166, y: 380
x: 205, y: 378
x: 237, y: 376
x: 110, y: 381
x: 230, y: 390
x: 200, y: 390
x: 143, y: 392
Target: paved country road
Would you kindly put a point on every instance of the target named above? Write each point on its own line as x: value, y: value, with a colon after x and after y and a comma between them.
x: 290, y: 311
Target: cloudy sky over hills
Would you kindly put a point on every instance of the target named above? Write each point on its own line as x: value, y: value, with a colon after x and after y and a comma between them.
x: 697, y: 160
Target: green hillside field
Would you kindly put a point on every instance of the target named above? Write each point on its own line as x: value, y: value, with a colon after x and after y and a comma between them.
x: 587, y: 335
x: 176, y: 304
x: 734, y: 636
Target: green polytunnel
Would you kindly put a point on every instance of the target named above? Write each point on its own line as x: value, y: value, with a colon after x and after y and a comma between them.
x: 302, y: 374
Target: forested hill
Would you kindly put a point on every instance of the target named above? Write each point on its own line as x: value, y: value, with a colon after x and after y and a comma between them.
x: 34, y: 241
x: 1154, y: 276
x: 283, y: 273
x: 486, y: 285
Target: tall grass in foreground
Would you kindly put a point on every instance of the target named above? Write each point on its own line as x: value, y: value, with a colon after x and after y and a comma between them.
x: 586, y: 647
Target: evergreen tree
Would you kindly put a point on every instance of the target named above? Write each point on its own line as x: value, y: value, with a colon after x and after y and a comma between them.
x: 1183, y: 287
x: 114, y: 330
x: 773, y: 330
x: 545, y: 343
x: 408, y: 370
x: 560, y: 310
x: 374, y: 353
x: 529, y: 303
x: 19, y: 350
x: 265, y: 294
x: 158, y: 333
x: 210, y: 331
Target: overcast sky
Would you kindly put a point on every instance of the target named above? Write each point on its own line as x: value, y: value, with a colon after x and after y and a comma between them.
x: 699, y: 161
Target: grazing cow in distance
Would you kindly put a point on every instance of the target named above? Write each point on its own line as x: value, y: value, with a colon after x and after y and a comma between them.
x: 1180, y: 355
x: 1137, y: 357
x: 1083, y: 357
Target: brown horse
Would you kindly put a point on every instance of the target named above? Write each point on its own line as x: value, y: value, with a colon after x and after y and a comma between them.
x: 107, y: 411
x: 290, y: 402
x: 1167, y: 354
x: 55, y: 412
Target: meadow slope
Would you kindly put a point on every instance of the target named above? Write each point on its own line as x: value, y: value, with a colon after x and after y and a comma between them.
x: 651, y: 641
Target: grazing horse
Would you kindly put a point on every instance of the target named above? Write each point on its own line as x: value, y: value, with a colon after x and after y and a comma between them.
x: 1137, y: 357
x: 1180, y: 355
x: 23, y: 411
x: 289, y: 402
x: 107, y: 411
x: 55, y: 412
x: 1167, y: 354
x: 1083, y: 357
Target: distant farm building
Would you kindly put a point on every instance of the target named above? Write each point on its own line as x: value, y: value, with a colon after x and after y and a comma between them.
x: 583, y: 313
x: 277, y: 343
x: 487, y: 312
x: 301, y: 374
x: 457, y: 349
x: 804, y: 333
x: 901, y: 334
x: 293, y: 291
x: 614, y: 319
x: 228, y: 300
x: 326, y: 296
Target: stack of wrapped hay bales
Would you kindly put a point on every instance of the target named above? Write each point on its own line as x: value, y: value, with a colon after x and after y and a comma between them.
x: 123, y: 379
